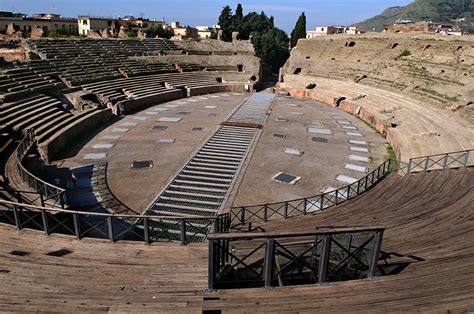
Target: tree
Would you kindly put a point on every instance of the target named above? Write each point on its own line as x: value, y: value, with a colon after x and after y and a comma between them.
x: 299, y: 31
x: 270, y: 43
x: 159, y: 31
x: 238, y: 19
x: 226, y: 23
x: 274, y: 49
x: 239, y: 14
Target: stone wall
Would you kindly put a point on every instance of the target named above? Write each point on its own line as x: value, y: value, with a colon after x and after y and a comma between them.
x: 61, y: 141
x: 434, y: 68
x: 251, y: 64
x: 239, y: 46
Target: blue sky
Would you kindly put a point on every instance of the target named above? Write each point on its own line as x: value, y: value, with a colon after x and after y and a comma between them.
x: 205, y: 12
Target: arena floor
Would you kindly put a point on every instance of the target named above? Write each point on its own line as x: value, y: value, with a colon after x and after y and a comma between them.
x: 141, y: 137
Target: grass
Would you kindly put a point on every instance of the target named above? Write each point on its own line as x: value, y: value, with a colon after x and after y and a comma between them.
x: 435, y: 93
x: 392, y: 156
x: 404, y: 53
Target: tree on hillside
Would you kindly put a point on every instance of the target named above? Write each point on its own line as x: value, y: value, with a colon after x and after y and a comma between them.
x: 226, y: 23
x: 299, y: 31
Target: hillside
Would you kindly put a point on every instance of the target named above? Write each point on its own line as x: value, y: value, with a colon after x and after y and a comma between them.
x: 425, y: 10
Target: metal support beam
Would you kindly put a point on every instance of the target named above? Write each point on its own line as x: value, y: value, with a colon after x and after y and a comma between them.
x: 466, y: 158
x: 375, y: 254
x: 268, y: 263
x: 146, y: 231
x: 183, y: 232
x: 111, y: 229
x: 211, y: 267
x: 17, y: 217
x: 324, y: 258
x: 44, y: 217
x: 77, y: 227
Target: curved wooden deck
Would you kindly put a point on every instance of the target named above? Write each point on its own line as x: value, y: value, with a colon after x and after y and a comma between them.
x: 429, y: 220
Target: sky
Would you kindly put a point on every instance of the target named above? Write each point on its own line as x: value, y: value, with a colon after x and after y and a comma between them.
x: 206, y: 12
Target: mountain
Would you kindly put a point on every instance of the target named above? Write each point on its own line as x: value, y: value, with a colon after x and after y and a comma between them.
x: 443, y: 11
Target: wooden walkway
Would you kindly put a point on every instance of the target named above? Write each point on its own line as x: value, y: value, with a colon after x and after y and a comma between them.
x: 429, y: 220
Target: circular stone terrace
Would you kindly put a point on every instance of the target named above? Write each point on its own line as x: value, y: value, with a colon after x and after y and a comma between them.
x: 320, y: 147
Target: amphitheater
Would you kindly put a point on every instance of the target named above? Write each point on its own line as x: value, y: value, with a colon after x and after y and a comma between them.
x: 154, y: 176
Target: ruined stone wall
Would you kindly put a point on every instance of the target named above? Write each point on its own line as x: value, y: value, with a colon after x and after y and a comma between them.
x: 12, y: 51
x: 250, y: 64
x: 437, y: 69
x: 240, y: 46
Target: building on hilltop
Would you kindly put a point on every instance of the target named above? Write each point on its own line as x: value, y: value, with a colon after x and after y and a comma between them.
x: 87, y: 24
x: 333, y: 30
x: 206, y: 32
x: 46, y: 21
x: 184, y: 32
x: 407, y: 26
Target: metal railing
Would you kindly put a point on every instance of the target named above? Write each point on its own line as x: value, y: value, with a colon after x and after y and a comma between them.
x: 281, y: 259
x: 47, y: 191
x: 307, y: 205
x: 110, y: 226
x: 438, y: 162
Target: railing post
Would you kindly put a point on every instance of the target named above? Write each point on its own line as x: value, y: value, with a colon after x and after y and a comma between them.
x: 77, y: 227
x: 305, y: 205
x: 445, y: 161
x: 285, y: 211
x: 337, y: 196
x: 265, y: 213
x: 61, y: 199
x: 268, y: 263
x: 183, y: 231
x: 375, y: 254
x: 17, y: 217
x: 466, y: 158
x: 314, y: 254
x: 44, y: 217
x: 18, y: 197
x: 321, y: 202
x: 42, y: 200
x: 111, y: 228
x: 324, y: 258
x: 217, y: 225
x: 211, y: 267
x: 427, y: 161
x: 242, y: 215
x: 146, y: 231
x: 358, y: 187
x: 409, y: 166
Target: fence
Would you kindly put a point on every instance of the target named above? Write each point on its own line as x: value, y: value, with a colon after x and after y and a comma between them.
x: 49, y: 193
x: 271, y: 259
x: 438, y: 162
x: 304, y: 206
x: 147, y: 229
